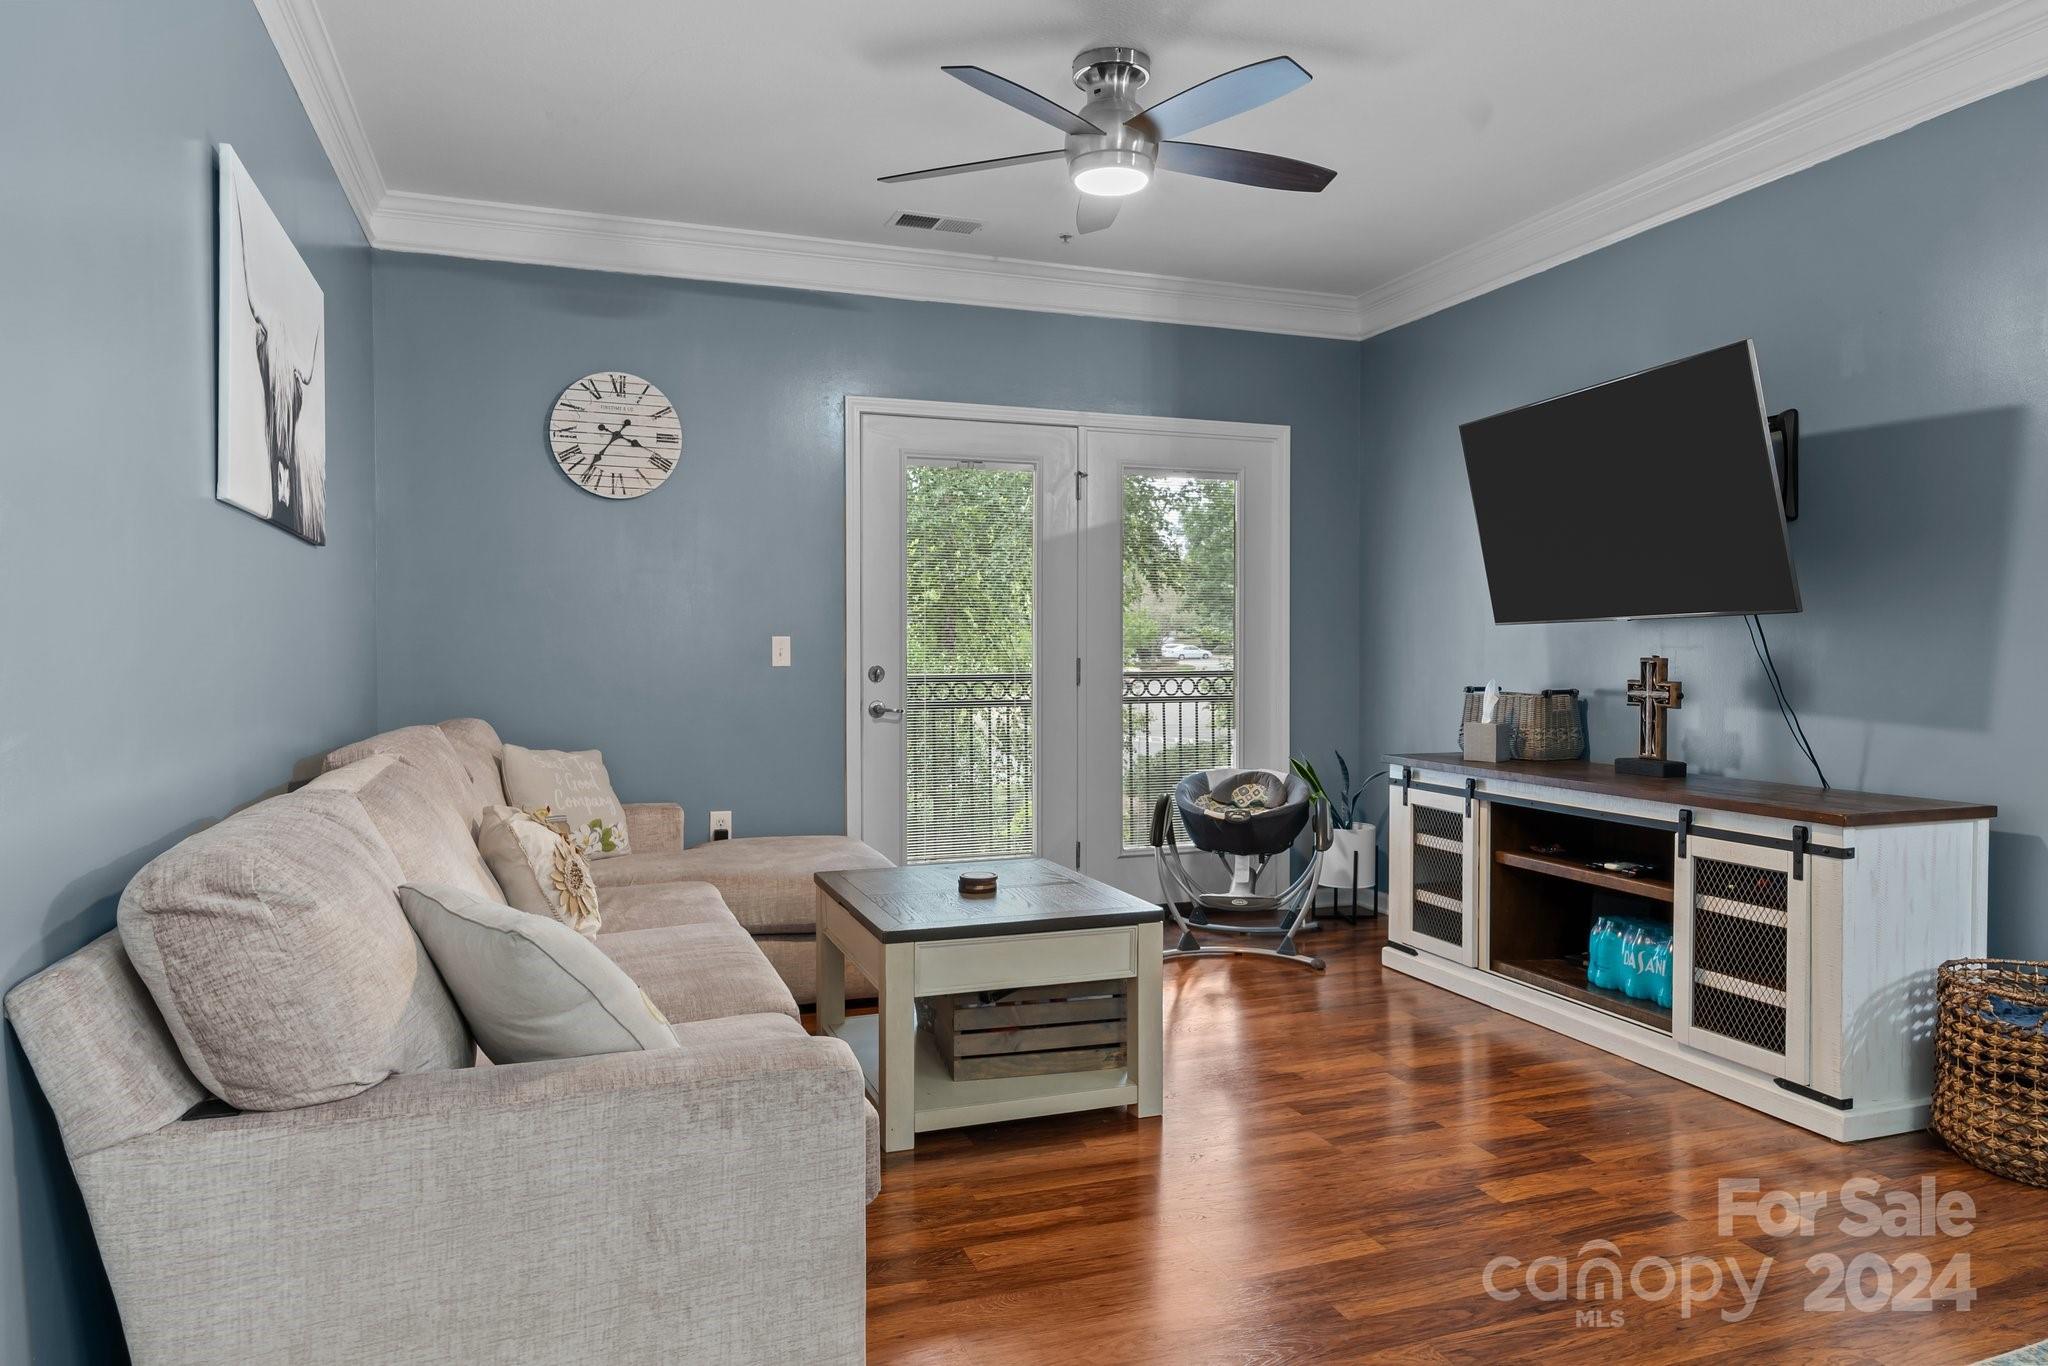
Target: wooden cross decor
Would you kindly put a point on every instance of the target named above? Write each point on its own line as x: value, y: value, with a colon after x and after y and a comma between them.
x: 1656, y: 692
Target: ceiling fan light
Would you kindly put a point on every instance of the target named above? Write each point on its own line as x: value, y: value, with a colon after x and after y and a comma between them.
x: 1111, y: 172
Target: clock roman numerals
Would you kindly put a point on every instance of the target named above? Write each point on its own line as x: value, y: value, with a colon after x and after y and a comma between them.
x: 614, y: 435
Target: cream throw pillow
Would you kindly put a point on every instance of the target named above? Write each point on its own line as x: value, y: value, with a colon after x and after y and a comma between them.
x: 574, y: 786
x: 530, y: 990
x: 538, y: 870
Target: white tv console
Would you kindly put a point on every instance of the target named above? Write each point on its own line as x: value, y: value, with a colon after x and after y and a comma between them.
x: 1806, y: 923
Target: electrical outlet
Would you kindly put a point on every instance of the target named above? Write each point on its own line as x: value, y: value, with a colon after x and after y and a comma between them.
x: 721, y: 825
x: 778, y: 652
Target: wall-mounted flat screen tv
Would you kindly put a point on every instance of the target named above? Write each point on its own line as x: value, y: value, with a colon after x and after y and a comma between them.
x: 1655, y: 495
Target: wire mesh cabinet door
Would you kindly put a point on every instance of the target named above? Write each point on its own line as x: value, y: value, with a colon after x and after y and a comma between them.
x: 1741, y: 955
x: 1434, y: 866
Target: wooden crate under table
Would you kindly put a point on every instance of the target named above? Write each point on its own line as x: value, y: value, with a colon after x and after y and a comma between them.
x: 1030, y: 1031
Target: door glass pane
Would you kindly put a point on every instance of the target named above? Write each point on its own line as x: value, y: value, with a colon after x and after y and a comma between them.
x: 968, y: 573
x: 1179, y: 637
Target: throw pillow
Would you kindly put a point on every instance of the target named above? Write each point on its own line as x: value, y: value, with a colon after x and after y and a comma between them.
x: 574, y: 786
x: 531, y: 990
x: 539, y: 871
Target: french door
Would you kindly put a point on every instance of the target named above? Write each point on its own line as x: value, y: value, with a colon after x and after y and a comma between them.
x: 968, y: 613
x: 1049, y: 622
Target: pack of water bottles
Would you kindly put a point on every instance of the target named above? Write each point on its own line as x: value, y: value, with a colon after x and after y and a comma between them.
x: 1631, y: 956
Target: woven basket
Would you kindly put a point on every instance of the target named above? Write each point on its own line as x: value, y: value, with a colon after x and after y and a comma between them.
x: 1546, y: 725
x: 1991, y: 1065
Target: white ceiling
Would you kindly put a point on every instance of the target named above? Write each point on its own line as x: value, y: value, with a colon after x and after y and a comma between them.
x: 1456, y: 129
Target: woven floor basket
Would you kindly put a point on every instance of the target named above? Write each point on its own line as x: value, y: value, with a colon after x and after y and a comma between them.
x: 1546, y: 725
x: 1991, y: 1065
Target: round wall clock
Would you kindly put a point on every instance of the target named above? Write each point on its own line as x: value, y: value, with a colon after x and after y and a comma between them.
x: 615, y: 435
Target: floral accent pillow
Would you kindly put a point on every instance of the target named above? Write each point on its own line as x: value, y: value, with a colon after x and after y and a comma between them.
x: 540, y: 870
x: 594, y: 840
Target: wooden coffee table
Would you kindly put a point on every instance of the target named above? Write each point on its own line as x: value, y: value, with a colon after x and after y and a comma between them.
x: 914, y: 935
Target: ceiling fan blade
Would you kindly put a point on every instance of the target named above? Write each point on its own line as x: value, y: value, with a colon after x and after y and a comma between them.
x: 962, y: 168
x: 1262, y: 169
x: 1025, y: 101
x: 1220, y: 97
x: 1097, y: 212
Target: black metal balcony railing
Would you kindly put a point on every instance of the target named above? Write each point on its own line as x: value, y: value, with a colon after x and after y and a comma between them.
x: 1175, y: 721
x: 968, y: 749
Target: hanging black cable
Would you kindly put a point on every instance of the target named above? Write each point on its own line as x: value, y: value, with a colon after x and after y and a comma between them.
x: 1761, y: 643
x: 1798, y: 726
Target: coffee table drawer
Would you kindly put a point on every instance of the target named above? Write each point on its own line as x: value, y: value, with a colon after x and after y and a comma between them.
x: 1024, y: 960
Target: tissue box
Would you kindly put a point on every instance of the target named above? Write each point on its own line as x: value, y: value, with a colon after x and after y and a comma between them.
x: 1489, y: 741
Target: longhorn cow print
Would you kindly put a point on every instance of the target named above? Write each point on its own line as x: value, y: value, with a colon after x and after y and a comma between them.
x: 297, y: 483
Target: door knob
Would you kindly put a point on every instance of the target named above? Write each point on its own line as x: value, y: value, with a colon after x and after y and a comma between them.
x: 878, y: 711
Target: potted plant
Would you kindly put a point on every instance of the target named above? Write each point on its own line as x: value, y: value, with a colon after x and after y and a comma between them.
x: 1347, y: 835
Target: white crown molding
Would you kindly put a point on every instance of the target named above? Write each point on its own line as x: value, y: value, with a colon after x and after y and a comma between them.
x: 1990, y: 52
x: 1995, y: 51
x: 647, y: 246
x: 301, y: 39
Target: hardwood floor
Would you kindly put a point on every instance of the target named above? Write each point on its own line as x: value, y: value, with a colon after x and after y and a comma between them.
x: 1342, y: 1155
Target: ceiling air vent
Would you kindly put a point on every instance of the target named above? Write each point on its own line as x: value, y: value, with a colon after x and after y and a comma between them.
x: 934, y: 223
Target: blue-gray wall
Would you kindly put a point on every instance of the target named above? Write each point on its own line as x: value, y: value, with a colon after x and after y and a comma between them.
x: 1898, y: 296
x: 642, y: 627
x: 163, y: 658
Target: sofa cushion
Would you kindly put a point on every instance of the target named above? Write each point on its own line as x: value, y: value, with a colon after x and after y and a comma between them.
x: 479, y: 748
x: 274, y: 946
x: 654, y: 904
x: 531, y: 988
x: 426, y: 749
x: 426, y: 835
x: 540, y: 871
x: 573, y: 785
x: 700, y: 972
x: 766, y: 881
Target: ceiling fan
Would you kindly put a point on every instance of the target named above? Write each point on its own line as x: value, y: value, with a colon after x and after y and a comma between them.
x: 1114, y: 146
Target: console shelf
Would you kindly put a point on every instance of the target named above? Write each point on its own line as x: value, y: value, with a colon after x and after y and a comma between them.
x: 1566, y: 977
x: 1552, y: 865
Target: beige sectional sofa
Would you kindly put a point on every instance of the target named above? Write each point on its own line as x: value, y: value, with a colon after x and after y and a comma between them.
x: 763, y: 883
x: 703, y: 1204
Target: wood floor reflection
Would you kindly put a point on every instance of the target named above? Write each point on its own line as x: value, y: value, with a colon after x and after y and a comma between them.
x: 1341, y: 1157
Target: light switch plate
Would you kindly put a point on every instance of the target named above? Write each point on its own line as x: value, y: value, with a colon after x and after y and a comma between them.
x: 721, y: 825
x: 778, y: 652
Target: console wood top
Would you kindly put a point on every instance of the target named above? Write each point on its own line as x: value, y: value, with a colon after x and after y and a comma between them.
x: 1032, y: 895
x: 1779, y: 801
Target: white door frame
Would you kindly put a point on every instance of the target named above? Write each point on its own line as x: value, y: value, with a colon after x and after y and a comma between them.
x: 862, y: 406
